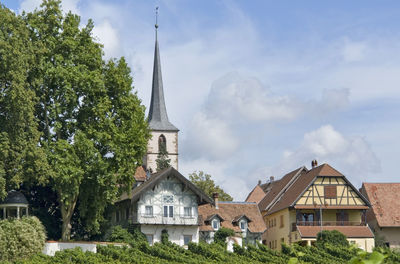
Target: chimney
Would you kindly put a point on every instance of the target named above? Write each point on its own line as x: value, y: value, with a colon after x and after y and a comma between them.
x: 259, y: 182
x: 215, y: 197
x: 314, y: 163
x: 271, y: 178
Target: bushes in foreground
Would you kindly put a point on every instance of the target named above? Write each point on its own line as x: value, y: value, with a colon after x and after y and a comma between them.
x: 21, y: 238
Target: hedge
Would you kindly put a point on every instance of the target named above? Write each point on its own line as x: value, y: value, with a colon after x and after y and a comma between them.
x: 21, y: 238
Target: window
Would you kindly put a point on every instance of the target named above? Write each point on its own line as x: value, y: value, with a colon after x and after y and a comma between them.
x: 282, y: 240
x: 282, y: 222
x: 168, y: 199
x: 243, y: 225
x: 127, y: 213
x: 187, y: 239
x: 149, y: 210
x: 149, y: 239
x: 168, y: 211
x: 187, y: 211
x: 330, y: 192
x: 162, y: 144
x: 215, y: 224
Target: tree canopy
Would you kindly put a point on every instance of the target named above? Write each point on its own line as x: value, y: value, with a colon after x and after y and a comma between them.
x: 204, y: 182
x: 71, y: 120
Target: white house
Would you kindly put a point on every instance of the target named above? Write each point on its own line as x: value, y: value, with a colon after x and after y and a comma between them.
x: 164, y: 201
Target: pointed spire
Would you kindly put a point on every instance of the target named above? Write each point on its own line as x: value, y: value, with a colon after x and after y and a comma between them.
x: 158, y: 118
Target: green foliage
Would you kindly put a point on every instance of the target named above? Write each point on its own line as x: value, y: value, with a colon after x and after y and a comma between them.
x: 204, y: 182
x: 21, y: 159
x: 162, y: 158
x: 69, y: 120
x: 120, y: 234
x: 222, y: 233
x: 164, y: 236
x: 365, y: 258
x: 21, y: 238
x: 333, y: 237
x: 202, y: 252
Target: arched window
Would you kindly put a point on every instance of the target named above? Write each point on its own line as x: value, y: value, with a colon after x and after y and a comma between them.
x: 162, y: 143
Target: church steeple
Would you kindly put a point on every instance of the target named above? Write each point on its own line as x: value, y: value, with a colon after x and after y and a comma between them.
x: 164, y: 135
x: 158, y: 118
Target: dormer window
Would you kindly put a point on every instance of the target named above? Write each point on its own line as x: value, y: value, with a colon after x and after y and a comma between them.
x: 215, y: 224
x: 243, y: 225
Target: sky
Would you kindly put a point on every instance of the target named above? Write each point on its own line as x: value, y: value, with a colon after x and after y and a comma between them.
x: 260, y: 88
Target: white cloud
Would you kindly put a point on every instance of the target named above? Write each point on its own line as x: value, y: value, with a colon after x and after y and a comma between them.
x: 351, y: 155
x: 246, y: 99
x: 67, y: 5
x: 354, y: 51
x: 210, y: 137
x: 108, y: 36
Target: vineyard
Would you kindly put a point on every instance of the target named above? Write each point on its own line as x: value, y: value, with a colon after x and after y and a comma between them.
x: 140, y: 252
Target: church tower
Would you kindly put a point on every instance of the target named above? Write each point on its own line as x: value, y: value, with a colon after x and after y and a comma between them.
x: 164, y: 134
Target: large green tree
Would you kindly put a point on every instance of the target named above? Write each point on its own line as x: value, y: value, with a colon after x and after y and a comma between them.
x: 92, y: 127
x: 21, y: 158
x: 204, y: 182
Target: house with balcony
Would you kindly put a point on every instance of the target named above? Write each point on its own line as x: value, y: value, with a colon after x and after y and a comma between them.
x: 244, y: 218
x: 384, y: 215
x: 306, y: 201
x: 162, y: 201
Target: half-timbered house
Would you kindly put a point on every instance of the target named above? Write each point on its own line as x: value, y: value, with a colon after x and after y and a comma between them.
x: 304, y: 202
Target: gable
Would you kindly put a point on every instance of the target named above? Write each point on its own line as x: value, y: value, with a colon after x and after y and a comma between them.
x: 334, y: 191
x: 156, y: 180
x: 169, y: 190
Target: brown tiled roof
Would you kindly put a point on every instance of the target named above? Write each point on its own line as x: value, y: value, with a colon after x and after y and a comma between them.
x: 385, y: 201
x: 277, y: 188
x: 349, y: 231
x: 291, y: 192
x: 140, y: 174
x: 255, y: 195
x: 155, y: 178
x: 229, y: 211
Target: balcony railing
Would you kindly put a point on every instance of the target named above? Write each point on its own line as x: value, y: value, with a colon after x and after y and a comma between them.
x: 177, y: 219
x: 327, y: 223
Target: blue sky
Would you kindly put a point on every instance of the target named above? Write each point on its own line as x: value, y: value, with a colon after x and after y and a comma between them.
x: 259, y: 88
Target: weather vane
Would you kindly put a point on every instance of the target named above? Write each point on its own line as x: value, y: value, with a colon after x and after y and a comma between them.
x: 156, y: 25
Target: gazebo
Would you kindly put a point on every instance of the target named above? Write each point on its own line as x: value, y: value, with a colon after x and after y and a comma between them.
x: 14, y: 205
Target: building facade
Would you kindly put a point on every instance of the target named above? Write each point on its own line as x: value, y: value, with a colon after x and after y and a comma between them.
x: 304, y: 202
x: 244, y: 218
x: 384, y: 215
x: 164, y: 201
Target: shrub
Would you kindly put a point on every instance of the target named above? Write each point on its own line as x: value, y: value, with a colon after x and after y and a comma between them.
x: 333, y: 237
x: 120, y: 234
x: 221, y: 235
x: 21, y: 238
x: 164, y: 236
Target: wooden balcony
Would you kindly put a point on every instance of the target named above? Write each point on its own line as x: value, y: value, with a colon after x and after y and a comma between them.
x: 327, y: 223
x: 160, y: 219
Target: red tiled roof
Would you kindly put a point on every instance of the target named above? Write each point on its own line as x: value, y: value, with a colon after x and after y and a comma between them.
x: 349, y: 231
x: 291, y: 192
x: 385, y: 202
x: 230, y: 211
x: 140, y: 174
x: 277, y: 188
x: 255, y: 195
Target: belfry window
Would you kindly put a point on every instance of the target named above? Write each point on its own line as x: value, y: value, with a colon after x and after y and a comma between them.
x: 162, y: 144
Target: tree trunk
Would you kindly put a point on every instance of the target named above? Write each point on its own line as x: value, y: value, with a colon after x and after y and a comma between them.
x: 66, y: 214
